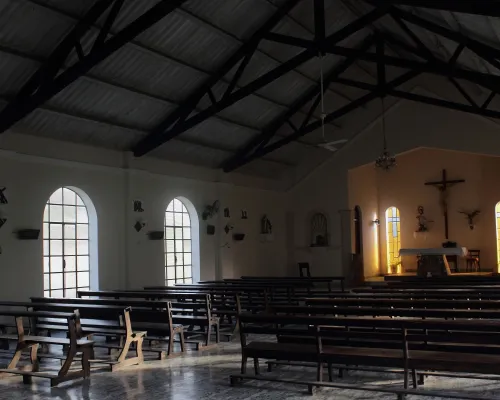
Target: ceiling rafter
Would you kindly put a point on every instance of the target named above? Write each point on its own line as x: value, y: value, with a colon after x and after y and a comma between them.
x: 147, y: 49
x: 47, y: 81
x: 479, y: 7
x: 178, y: 121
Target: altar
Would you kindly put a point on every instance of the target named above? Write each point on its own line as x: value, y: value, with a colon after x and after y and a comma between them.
x: 433, y: 261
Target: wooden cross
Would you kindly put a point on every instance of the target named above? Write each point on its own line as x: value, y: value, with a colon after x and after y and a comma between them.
x: 443, y: 187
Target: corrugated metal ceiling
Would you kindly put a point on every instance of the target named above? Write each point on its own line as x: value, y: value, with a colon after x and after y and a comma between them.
x: 129, y: 93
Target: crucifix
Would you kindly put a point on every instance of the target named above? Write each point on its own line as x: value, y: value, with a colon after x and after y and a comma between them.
x: 443, y: 187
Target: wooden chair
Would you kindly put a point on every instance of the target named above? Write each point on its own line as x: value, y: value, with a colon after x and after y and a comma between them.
x: 304, y: 267
x: 473, y: 261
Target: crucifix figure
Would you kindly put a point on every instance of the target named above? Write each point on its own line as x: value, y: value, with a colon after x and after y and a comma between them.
x: 443, y: 187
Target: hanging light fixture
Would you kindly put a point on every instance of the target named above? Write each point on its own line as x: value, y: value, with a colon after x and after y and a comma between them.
x: 385, y: 161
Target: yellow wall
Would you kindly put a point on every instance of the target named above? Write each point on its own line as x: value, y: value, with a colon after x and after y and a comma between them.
x: 404, y: 187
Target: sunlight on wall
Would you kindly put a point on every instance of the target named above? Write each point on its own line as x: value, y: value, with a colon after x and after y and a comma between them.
x: 376, y: 261
x: 393, y: 237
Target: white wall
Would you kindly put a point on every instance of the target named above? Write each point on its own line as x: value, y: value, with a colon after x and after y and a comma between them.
x: 32, y: 168
x: 409, y: 125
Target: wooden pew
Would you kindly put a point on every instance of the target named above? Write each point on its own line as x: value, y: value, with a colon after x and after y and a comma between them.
x: 32, y: 342
x: 328, y: 280
x: 196, y: 312
x: 393, y: 343
x: 154, y: 317
x: 106, y: 320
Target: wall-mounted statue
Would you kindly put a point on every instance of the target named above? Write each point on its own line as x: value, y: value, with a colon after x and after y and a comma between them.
x: 470, y: 217
x: 265, y: 226
x: 423, y: 223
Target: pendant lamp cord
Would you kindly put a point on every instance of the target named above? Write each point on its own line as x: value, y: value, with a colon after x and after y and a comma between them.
x: 323, y: 115
x: 383, y: 123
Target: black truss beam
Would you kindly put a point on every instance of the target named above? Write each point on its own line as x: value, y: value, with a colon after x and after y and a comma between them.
x: 423, y: 99
x: 270, y: 131
x: 329, y: 118
x: 480, y: 7
x: 45, y: 83
x: 165, y: 131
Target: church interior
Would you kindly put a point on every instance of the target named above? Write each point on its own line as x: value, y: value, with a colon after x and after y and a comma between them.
x: 249, y: 199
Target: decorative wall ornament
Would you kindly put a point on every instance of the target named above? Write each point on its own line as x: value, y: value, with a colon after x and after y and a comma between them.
x: 226, y: 213
x: 210, y: 210
x: 210, y: 230
x: 138, y: 206
x: 156, y: 235
x: 319, y: 230
x: 244, y: 214
x: 228, y: 228
x: 265, y: 225
x: 3, y: 199
x: 139, y: 225
x: 28, y: 234
x: 470, y: 217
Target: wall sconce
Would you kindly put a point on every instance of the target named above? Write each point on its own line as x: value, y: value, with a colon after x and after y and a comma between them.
x: 376, y: 222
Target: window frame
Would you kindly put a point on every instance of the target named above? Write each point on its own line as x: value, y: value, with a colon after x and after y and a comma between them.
x: 393, y: 242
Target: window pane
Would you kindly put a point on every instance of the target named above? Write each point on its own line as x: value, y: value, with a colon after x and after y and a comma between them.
x: 82, y: 231
x: 46, y: 214
x: 179, y: 272
x: 180, y: 259
x: 46, y: 264
x: 79, y: 201
x: 69, y: 231
x: 169, y: 218
x: 170, y: 273
x: 70, y: 263
x: 178, y: 219
x: 46, y: 281
x: 187, y: 258
x: 187, y: 233
x: 70, y: 279
x: 56, y: 247
x: 46, y: 293
x: 56, y: 293
x: 81, y: 215
x: 170, y: 206
x: 56, y: 213
x: 169, y: 233
x: 83, y: 263
x: 170, y: 259
x: 83, y: 279
x: 69, y: 214
x: 69, y: 247
x: 70, y: 293
x: 188, y: 280
x: 55, y: 231
x: 69, y: 197
x: 187, y: 270
x: 56, y: 281
x: 169, y: 246
x: 56, y: 264
x: 171, y: 282
x: 186, y: 221
x: 82, y: 247
x: 177, y: 205
x: 187, y: 245
x: 56, y: 197
x: 46, y: 248
x: 178, y: 233
x: 178, y: 245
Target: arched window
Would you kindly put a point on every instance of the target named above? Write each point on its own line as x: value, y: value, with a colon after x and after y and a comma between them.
x: 67, y: 248
x: 393, y: 238
x: 178, y: 244
x: 497, y: 219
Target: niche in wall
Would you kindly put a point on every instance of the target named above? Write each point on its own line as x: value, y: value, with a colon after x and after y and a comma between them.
x: 319, y: 230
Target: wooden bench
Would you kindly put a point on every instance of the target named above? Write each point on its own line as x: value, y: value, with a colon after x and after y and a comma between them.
x: 328, y: 280
x: 147, y: 315
x: 100, y: 320
x: 195, y: 312
x: 409, y: 344
x: 31, y: 342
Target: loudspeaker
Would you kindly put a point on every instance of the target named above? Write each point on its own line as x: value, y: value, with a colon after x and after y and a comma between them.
x: 28, y: 234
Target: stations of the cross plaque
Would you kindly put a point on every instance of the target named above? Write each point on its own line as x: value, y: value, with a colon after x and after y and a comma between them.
x: 443, y: 186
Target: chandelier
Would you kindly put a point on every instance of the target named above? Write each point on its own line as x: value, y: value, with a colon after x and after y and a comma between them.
x: 385, y: 161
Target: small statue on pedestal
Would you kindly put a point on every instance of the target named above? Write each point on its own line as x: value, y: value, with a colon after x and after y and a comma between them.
x: 423, y: 223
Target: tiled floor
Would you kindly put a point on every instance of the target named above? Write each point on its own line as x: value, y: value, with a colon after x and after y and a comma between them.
x: 205, y: 376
